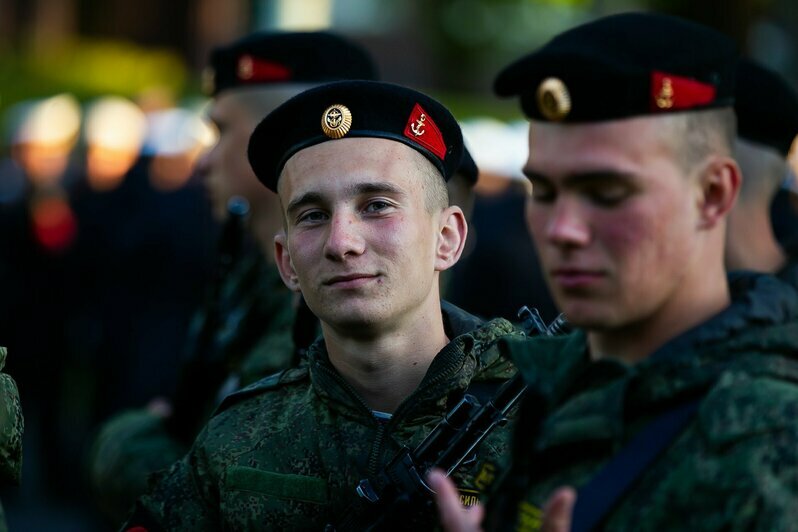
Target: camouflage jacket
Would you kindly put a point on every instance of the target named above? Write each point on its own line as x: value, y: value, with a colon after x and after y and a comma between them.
x: 735, y: 464
x: 253, y: 340
x: 287, y: 452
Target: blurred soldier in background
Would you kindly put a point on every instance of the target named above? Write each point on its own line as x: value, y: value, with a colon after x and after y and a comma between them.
x: 767, y: 123
x: 37, y: 231
x: 673, y: 406
x: 499, y: 271
x: 247, y: 328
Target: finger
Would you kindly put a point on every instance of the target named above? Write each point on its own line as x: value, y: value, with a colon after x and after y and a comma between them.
x: 558, y: 510
x: 477, y: 513
x: 452, y: 514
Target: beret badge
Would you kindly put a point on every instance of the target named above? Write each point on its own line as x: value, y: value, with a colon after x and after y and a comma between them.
x: 664, y: 98
x: 336, y: 121
x: 554, y: 99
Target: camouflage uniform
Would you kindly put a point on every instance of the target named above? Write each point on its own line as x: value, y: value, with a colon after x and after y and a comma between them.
x: 11, y: 427
x: 254, y: 339
x: 287, y: 452
x: 734, y: 466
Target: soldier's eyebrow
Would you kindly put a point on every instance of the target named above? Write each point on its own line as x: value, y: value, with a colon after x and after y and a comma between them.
x: 534, y: 176
x: 305, y: 199
x: 593, y: 176
x: 380, y: 187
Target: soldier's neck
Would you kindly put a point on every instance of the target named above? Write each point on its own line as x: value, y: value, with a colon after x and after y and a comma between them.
x: 635, y: 341
x: 387, y: 367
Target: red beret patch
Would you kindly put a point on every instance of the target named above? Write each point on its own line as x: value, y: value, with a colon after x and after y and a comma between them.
x: 422, y: 129
x: 670, y: 93
x: 255, y: 70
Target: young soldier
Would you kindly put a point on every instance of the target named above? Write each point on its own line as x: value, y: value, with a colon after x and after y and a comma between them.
x: 767, y: 120
x: 360, y: 169
x: 245, y: 331
x: 673, y: 406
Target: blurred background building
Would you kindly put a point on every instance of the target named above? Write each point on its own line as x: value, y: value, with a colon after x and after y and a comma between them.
x: 106, y: 239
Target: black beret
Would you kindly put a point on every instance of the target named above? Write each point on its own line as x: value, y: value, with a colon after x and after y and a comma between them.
x: 268, y: 58
x: 766, y: 107
x: 468, y: 168
x: 347, y: 109
x: 621, y: 66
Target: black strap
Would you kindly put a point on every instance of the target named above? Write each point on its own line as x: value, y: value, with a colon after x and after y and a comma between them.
x: 605, y: 489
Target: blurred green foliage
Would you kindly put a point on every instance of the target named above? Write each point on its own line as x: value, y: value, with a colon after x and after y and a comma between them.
x: 471, y: 39
x: 89, y: 68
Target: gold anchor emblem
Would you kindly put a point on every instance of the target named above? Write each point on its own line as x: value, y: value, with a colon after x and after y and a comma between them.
x: 418, y: 127
x: 336, y: 121
x: 665, y: 96
x: 554, y: 101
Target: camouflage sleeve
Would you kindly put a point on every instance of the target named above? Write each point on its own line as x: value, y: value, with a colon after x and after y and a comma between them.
x: 128, y: 448
x: 776, y: 483
x: 11, y: 426
x: 755, y: 484
x: 184, y: 497
x: 744, y: 475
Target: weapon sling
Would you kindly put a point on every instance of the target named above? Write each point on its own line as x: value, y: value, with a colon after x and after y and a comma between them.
x: 600, y: 495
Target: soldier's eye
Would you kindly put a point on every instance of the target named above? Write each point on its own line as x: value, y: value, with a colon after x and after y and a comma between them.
x: 543, y: 192
x: 312, y: 217
x: 609, y: 195
x: 377, y: 206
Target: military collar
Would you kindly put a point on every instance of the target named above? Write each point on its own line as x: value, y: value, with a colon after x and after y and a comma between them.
x: 467, y: 355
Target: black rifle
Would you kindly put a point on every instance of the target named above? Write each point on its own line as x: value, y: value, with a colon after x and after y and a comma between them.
x: 203, y: 369
x: 399, y: 493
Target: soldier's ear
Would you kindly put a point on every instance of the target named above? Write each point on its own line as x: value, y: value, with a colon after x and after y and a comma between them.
x: 452, y: 233
x: 283, y: 259
x: 719, y: 183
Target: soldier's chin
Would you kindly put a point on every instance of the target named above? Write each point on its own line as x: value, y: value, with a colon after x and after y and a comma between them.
x: 362, y: 326
x: 586, y: 317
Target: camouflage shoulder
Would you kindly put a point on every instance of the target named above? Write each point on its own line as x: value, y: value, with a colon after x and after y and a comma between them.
x: 743, y: 404
x: 501, y: 327
x: 547, y: 363
x: 278, y: 380
x: 491, y: 332
x: 495, y: 364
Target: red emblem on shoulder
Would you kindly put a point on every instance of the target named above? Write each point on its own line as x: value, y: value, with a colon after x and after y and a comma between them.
x: 252, y: 69
x: 670, y: 93
x: 421, y: 129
